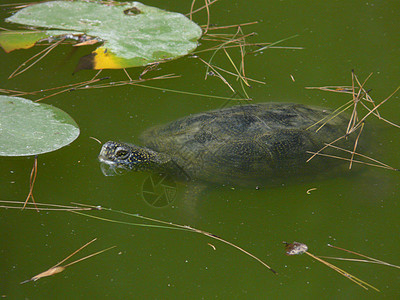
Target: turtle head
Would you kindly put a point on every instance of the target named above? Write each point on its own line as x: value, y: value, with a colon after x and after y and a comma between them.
x: 116, y: 157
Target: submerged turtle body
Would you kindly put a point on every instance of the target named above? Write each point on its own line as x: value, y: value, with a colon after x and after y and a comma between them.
x: 241, y: 145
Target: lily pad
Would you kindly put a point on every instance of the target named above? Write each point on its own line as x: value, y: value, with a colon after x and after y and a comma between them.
x: 11, y: 40
x: 134, y: 34
x: 29, y: 128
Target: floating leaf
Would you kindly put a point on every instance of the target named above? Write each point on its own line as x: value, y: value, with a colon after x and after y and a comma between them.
x: 12, y: 40
x: 134, y: 34
x: 29, y: 128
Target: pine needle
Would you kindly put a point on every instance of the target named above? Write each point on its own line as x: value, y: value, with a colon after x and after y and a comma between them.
x: 32, y: 180
x: 199, y: 9
x: 58, y: 269
x: 369, y: 259
x: 353, y: 278
x: 169, y: 225
x: 40, y: 206
x: 217, y: 74
x: 359, y: 96
x: 275, y: 43
x: 297, y: 248
x: 43, y: 53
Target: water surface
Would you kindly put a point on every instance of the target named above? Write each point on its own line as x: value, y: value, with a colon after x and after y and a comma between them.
x: 358, y: 211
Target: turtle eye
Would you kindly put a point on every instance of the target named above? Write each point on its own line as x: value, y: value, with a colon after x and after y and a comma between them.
x: 121, y: 153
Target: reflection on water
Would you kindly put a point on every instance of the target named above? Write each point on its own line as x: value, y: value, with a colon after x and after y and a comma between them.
x: 111, y: 170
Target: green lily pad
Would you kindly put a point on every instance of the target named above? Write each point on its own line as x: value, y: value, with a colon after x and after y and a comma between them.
x: 29, y: 128
x: 134, y: 34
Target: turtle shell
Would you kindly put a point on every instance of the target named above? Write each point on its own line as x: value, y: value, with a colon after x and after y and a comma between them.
x: 246, y: 143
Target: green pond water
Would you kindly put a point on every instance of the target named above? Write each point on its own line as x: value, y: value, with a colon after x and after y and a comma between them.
x: 357, y: 210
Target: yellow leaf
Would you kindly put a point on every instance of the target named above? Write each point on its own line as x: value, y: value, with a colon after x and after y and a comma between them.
x: 13, y: 40
x: 103, y: 58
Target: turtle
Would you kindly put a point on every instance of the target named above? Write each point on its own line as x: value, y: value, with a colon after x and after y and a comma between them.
x: 240, y: 145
